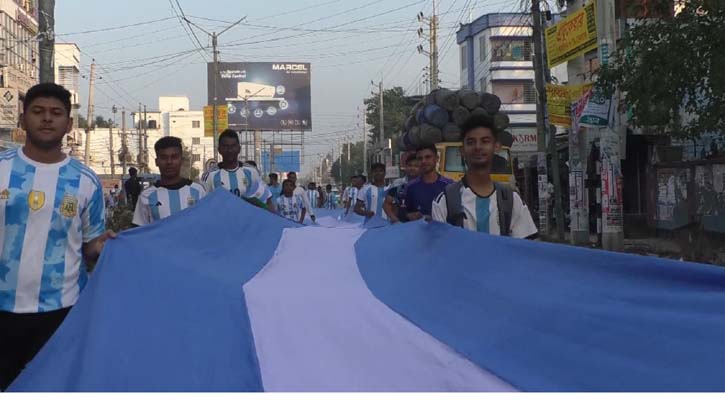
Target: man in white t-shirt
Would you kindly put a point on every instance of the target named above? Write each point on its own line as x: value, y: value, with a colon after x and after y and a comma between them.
x: 483, y: 205
x: 371, y: 197
x: 300, y: 191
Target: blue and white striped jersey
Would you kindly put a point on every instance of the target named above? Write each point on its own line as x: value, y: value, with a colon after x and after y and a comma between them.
x: 290, y: 207
x: 243, y: 182
x: 313, y: 196
x: 47, y: 212
x: 158, y: 202
x: 350, y: 195
x: 373, y: 197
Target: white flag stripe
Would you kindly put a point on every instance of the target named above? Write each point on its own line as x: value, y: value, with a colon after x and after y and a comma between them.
x: 323, y: 330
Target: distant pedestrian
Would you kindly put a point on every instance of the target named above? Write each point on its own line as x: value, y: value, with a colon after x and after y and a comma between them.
x: 299, y: 190
x: 289, y: 204
x: 330, y: 198
x: 396, y: 202
x: 133, y: 187
x: 274, y: 187
x: 371, y: 197
x: 422, y: 191
x: 313, y: 195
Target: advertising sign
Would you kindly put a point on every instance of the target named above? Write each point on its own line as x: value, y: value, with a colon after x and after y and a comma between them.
x: 222, y: 120
x: 525, y: 140
x: 284, y: 161
x: 9, y: 108
x: 559, y: 99
x: 597, y: 111
x: 264, y: 96
x: 574, y: 36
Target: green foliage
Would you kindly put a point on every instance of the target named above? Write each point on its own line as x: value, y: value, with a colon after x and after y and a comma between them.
x: 101, y: 122
x: 119, y: 218
x: 352, y: 167
x: 396, y: 110
x: 672, y: 71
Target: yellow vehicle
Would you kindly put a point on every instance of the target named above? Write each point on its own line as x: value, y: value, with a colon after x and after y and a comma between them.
x: 451, y: 163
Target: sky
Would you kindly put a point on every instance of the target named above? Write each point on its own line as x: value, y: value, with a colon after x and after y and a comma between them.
x: 142, y: 50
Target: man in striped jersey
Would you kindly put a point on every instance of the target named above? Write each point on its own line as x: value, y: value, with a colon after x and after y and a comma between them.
x: 289, y: 204
x: 313, y: 196
x: 171, y: 193
x: 371, y: 197
x: 350, y: 195
x: 242, y: 181
x: 300, y: 191
x: 52, y: 222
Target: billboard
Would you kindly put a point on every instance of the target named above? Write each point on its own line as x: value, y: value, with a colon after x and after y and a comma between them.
x: 263, y: 95
x: 574, y: 36
x: 559, y: 99
x: 284, y: 161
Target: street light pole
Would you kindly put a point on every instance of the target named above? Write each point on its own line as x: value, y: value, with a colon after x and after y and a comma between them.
x: 214, y: 36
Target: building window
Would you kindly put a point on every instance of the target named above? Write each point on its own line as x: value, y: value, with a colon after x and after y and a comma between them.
x: 196, y: 158
x: 195, y: 141
x: 464, y: 57
x: 152, y: 124
x: 521, y: 92
x: 482, y: 48
x: 511, y: 50
x: 195, y: 124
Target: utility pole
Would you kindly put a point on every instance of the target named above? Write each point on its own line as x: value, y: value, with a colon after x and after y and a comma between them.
x: 382, y: 117
x: 139, y: 155
x: 542, y: 122
x: 124, y: 145
x: 612, y: 201
x: 110, y: 142
x: 46, y: 47
x: 432, y: 51
x: 365, y: 140
x: 578, y: 194
x: 146, y: 139
x: 215, y: 52
x: 89, y: 120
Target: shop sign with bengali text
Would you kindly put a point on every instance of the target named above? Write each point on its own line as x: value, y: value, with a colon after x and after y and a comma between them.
x: 574, y: 36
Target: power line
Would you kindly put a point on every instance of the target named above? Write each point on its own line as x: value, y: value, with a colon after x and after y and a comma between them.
x: 190, y: 31
x: 116, y: 27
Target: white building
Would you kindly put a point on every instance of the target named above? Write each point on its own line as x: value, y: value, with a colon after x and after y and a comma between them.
x: 172, y: 119
x: 67, y: 72
x: 496, y: 53
x: 18, y: 63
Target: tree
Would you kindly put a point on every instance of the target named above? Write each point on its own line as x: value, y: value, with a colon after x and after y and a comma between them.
x: 82, y: 122
x: 349, y: 168
x: 397, y: 107
x: 101, y: 122
x: 672, y: 70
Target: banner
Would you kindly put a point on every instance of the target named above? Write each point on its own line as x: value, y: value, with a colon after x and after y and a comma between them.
x: 597, y: 111
x: 559, y: 99
x: 222, y: 120
x: 574, y: 36
x: 264, y: 96
x: 9, y: 108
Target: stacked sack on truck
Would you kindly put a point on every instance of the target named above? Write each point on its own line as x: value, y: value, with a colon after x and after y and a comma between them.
x: 438, y: 117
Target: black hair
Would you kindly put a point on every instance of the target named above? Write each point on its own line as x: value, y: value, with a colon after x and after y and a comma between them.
x: 328, y: 186
x: 252, y: 163
x: 377, y: 166
x: 284, y: 182
x: 168, y: 142
x: 430, y: 147
x: 311, y: 183
x: 411, y: 158
x: 229, y: 133
x: 364, y: 178
x: 132, y: 171
x: 273, y: 175
x: 48, y: 90
x: 478, y: 121
x: 291, y: 172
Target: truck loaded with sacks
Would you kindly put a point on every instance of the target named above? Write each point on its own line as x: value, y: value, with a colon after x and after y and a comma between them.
x: 437, y: 120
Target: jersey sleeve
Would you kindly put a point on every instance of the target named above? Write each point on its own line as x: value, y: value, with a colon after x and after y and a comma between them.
x: 256, y: 187
x: 94, y: 215
x: 361, y: 195
x: 142, y: 214
x: 440, y: 209
x: 522, y: 224
x: 208, y: 182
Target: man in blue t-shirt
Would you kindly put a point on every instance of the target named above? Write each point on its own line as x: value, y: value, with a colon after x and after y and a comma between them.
x: 421, y: 192
x: 274, y: 186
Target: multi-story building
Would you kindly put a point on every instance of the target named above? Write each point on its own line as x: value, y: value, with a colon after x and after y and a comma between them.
x: 18, y: 63
x: 496, y: 53
x: 67, y: 68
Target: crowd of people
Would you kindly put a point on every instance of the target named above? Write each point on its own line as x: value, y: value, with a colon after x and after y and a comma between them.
x: 53, y: 218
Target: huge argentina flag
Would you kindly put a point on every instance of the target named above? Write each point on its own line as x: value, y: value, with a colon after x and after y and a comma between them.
x: 225, y: 297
